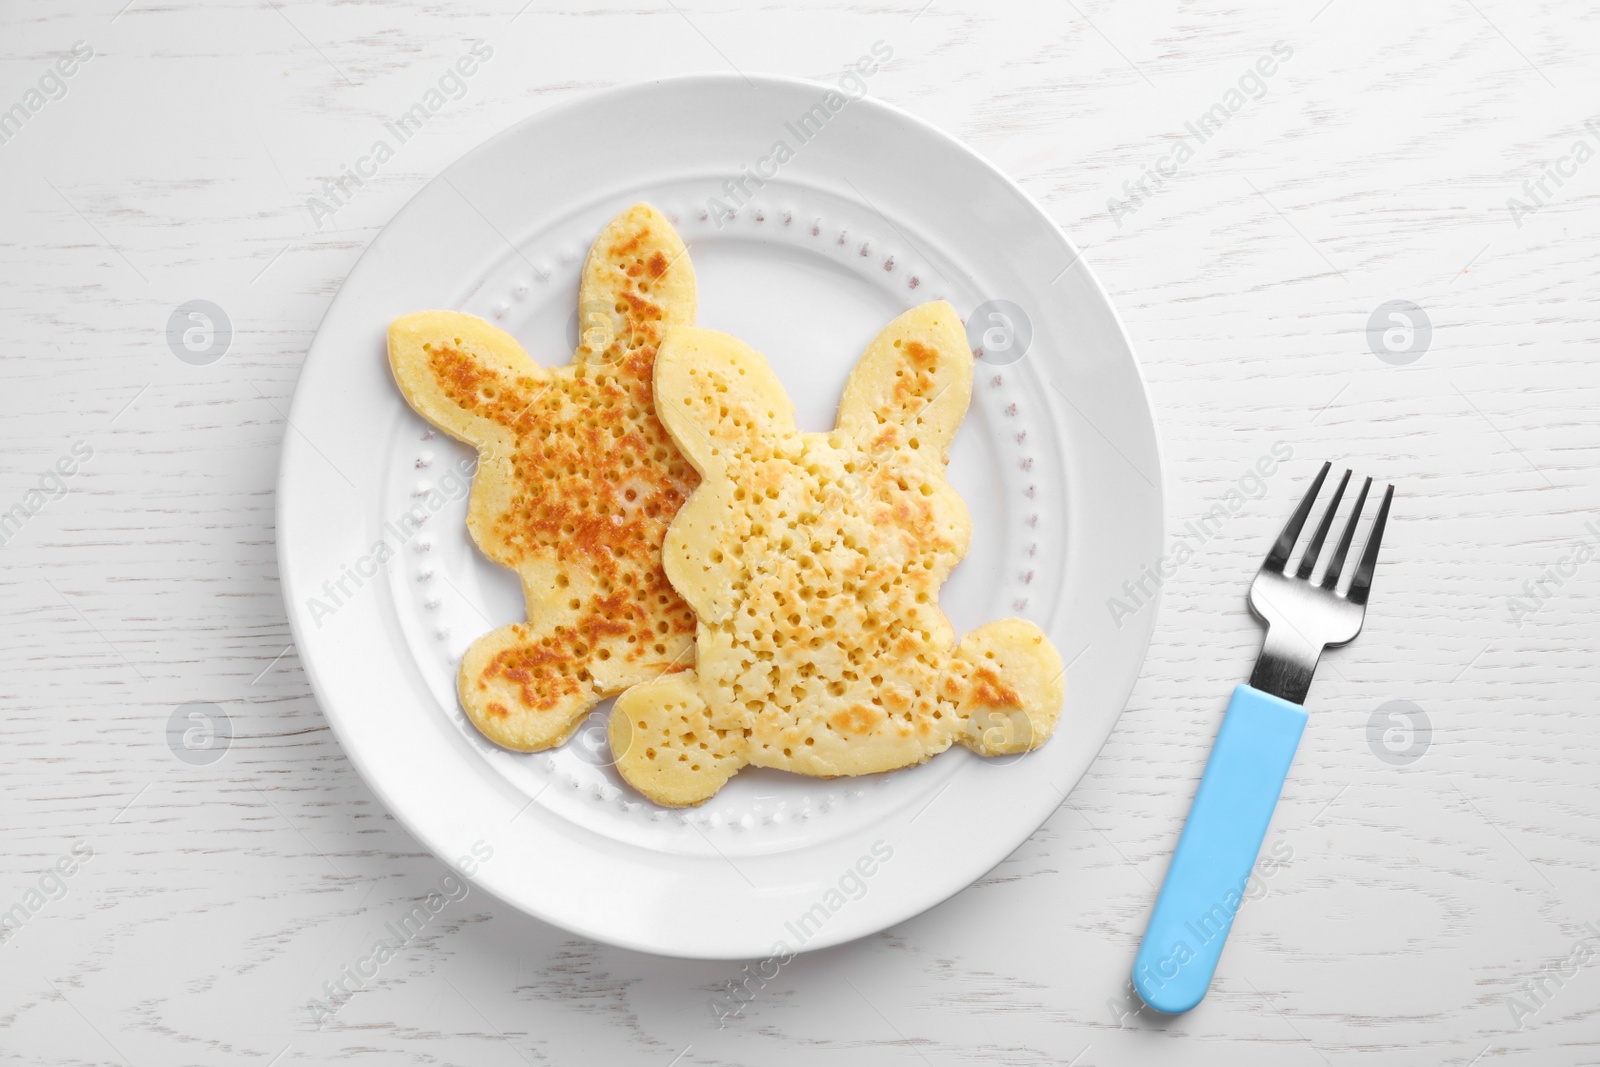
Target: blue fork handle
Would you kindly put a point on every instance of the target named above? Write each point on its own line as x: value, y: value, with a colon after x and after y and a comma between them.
x: 1227, y: 823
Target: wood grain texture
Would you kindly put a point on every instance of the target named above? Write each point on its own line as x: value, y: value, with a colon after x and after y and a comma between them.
x: 1376, y: 165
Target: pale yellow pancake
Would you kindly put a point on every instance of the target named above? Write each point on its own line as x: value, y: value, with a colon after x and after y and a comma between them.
x: 813, y: 563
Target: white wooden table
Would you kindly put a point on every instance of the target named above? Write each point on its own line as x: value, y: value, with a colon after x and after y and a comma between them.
x: 1437, y: 874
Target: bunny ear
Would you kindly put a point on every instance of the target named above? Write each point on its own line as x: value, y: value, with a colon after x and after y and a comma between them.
x: 637, y: 284
x: 717, y: 397
x: 467, y: 377
x: 917, y: 375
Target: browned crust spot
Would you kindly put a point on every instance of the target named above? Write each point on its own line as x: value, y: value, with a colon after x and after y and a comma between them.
x: 988, y: 691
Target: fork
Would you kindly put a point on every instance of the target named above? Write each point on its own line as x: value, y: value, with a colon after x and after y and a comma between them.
x: 1250, y: 759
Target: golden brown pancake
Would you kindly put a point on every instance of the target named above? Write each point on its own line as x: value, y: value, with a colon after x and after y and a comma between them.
x: 576, y: 484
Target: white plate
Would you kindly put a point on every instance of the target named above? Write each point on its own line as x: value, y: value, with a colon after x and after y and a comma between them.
x: 1058, y: 462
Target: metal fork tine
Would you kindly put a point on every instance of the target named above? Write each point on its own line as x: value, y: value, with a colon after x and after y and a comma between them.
x: 1284, y: 545
x: 1308, y: 562
x: 1336, y: 564
x: 1361, y: 584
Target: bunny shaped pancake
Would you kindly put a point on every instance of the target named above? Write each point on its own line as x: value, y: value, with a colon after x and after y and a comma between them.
x: 576, y: 484
x: 813, y: 563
